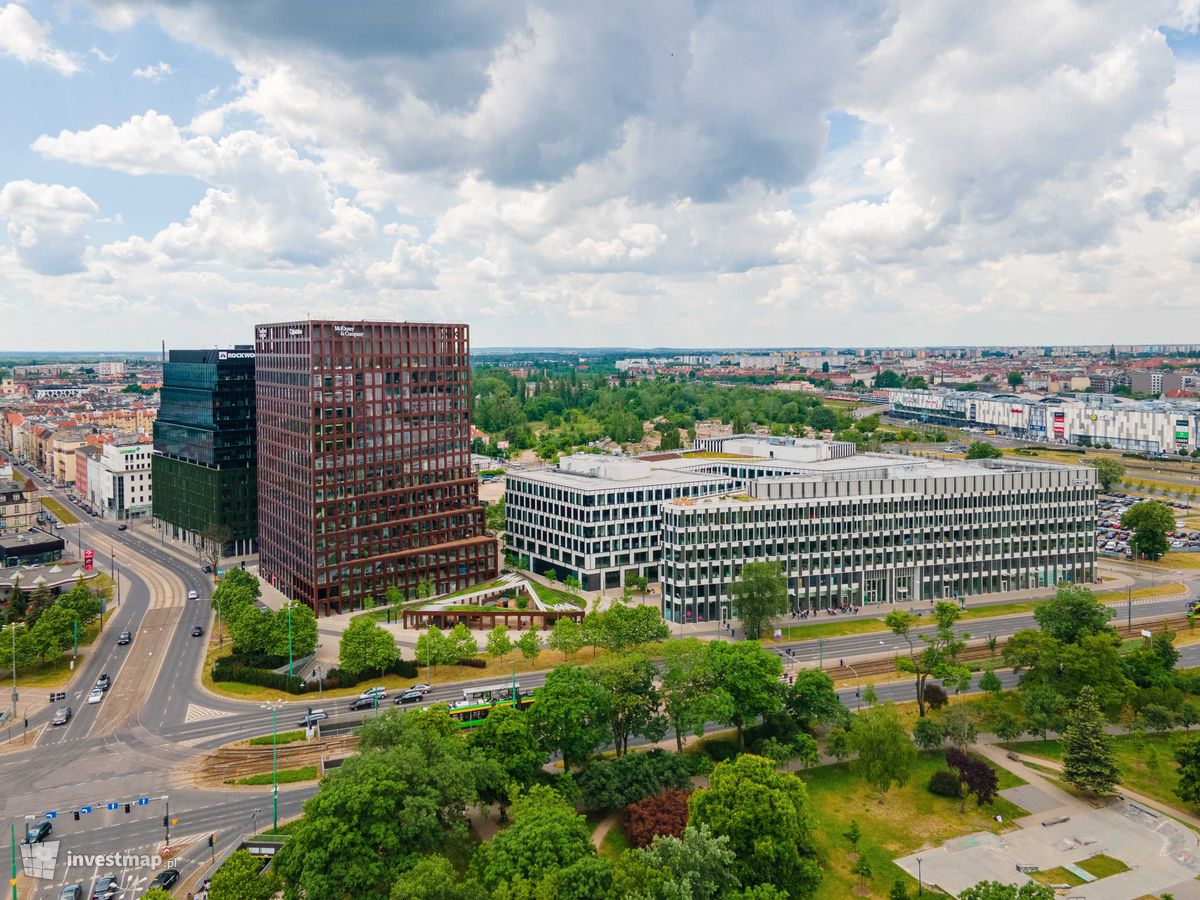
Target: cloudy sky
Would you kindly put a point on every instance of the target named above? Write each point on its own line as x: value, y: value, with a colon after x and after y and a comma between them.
x: 637, y: 174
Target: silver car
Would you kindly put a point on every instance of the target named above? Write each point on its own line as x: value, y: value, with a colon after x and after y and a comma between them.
x: 62, y: 716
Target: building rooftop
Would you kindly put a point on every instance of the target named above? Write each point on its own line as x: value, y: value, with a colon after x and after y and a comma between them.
x: 31, y: 538
x: 594, y: 472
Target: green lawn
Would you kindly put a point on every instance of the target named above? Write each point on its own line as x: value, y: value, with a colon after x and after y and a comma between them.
x: 1057, y: 875
x: 283, y: 776
x: 910, y: 818
x: 60, y: 512
x: 615, y: 841
x: 57, y: 672
x: 1103, y: 866
x: 553, y: 595
x: 284, y: 737
x: 1146, y: 763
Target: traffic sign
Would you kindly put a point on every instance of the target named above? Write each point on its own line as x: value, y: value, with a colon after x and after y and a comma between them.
x: 113, y: 806
x: 83, y: 810
x: 52, y: 815
x: 142, y: 801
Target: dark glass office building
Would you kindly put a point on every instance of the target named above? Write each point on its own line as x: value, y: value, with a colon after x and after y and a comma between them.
x: 364, y: 461
x: 204, y: 467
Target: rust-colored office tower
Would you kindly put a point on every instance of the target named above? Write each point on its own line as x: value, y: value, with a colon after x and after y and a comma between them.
x: 364, y: 461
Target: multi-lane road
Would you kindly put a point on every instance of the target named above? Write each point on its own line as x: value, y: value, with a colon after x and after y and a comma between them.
x: 144, y: 739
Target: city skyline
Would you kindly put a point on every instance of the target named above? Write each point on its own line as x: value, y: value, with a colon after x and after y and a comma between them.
x: 892, y: 175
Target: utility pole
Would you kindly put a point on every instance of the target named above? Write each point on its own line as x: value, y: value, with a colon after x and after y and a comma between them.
x: 291, y: 674
x: 1129, y: 606
x: 167, y: 821
x: 12, y: 836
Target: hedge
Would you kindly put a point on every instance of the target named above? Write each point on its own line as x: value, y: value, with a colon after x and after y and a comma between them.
x: 222, y: 671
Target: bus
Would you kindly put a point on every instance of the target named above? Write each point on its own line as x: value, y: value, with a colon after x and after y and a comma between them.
x: 1193, y: 608
x: 478, y: 702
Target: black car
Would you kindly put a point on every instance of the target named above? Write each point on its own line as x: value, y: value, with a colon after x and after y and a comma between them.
x: 409, y: 696
x: 38, y: 832
x: 206, y: 569
x: 124, y: 638
x: 362, y: 703
x: 104, y: 682
x: 197, y: 631
x: 106, y: 888
x: 165, y: 879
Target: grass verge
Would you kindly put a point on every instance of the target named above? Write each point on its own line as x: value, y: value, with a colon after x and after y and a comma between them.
x: 1102, y: 866
x: 59, y: 511
x: 283, y: 776
x: 615, y: 841
x: 285, y: 737
x: 55, y: 673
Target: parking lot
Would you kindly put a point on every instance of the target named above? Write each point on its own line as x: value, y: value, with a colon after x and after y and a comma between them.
x: 1113, y: 539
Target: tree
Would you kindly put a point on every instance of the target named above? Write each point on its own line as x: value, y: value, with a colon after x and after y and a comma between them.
x: 697, y: 866
x: 1187, y: 755
x: 939, y: 655
x: 241, y: 878
x: 39, y: 601
x: 886, y: 754
x: 546, y: 836
x: 997, y: 890
x: 632, y: 700
x: 213, y: 541
x: 862, y: 869
x: 928, y: 734
x: 622, y: 626
x: 887, y: 379
x: 434, y: 648
x: 569, y: 717
x: 935, y: 696
x: 506, y: 737
x: 958, y: 725
x: 566, y: 637
x: 498, y: 643
x: 1007, y: 728
x: 82, y: 603
x: 612, y: 784
x: 1150, y: 521
x: 156, y: 893
x: 380, y: 812
x: 463, y: 643
x: 759, y: 595
x: 975, y: 776
x: 303, y: 631
x: 26, y: 648
x: 983, y: 450
x: 812, y: 700
x: 529, y: 644
x: 434, y: 878
x: 1089, y: 762
x: 898, y: 891
x: 670, y: 440
x: 765, y: 815
x: 393, y: 596
x: 853, y: 834
x: 425, y: 589
x: 989, y: 681
x: 749, y: 675
x: 665, y: 813
x: 1015, y: 378
x: 1072, y: 614
x: 1043, y: 709
x: 1108, y: 471
x: 17, y: 604
x: 365, y: 647
x: 689, y: 697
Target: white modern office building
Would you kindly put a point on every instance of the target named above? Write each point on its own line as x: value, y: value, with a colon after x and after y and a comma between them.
x: 1149, y: 426
x: 119, y: 481
x: 848, y: 529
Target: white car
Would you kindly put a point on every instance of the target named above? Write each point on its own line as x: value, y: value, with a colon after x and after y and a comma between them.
x: 95, y: 696
x: 193, y: 595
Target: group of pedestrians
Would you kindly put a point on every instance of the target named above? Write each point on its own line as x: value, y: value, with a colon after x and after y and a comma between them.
x: 845, y: 610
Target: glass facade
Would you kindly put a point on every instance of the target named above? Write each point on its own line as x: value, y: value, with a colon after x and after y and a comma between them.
x: 364, y: 461
x: 205, y: 463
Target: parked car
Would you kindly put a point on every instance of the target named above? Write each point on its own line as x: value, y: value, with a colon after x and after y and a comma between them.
x: 71, y: 892
x: 38, y: 832
x: 165, y: 879
x: 104, y: 682
x: 95, y: 696
x: 62, y: 716
x: 124, y: 638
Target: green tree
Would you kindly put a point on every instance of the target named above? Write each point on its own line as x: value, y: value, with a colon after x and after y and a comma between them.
x: 393, y: 596
x: 1150, y: 522
x: 759, y: 596
x: 39, y: 601
x: 566, y: 637
x: 928, y: 733
x: 898, y: 891
x: 622, y: 626
x: 1006, y: 727
x: 749, y: 675
x: 83, y: 603
x: 1072, y: 614
x: 365, y: 647
x: 689, y: 696
x: 632, y: 699
x: 1187, y: 755
x: 670, y: 440
x: 765, y: 815
x: 983, y: 450
x: 989, y: 681
x: 18, y: 605
x: 26, y: 648
x: 241, y: 878
x: 939, y: 654
x: 1043, y: 708
x: 156, y: 894
x: 998, y: 890
x: 862, y: 869
x: 887, y: 379
x: 304, y: 631
x: 959, y: 726
x: 499, y: 645
x: 495, y: 515
x: 1015, y: 378
x: 1108, y: 471
x: 546, y: 836
x: 1089, y: 762
x: 435, y: 648
x: 853, y: 834
x: 434, y: 878
x: 697, y: 866
x: 886, y: 754
x: 463, y: 643
x: 570, y: 715
x: 529, y: 644
x: 507, y: 738
x: 811, y: 700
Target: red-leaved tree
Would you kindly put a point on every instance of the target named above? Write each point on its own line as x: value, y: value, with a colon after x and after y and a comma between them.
x: 665, y: 813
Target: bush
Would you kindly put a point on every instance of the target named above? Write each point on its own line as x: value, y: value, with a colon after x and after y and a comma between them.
x: 699, y: 763
x: 944, y: 783
x: 473, y: 662
x: 221, y: 672
x: 336, y: 678
x: 935, y: 696
x: 720, y: 751
x: 662, y: 814
x: 615, y: 783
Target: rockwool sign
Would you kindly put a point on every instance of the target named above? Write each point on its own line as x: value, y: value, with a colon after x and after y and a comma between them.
x: 235, y: 354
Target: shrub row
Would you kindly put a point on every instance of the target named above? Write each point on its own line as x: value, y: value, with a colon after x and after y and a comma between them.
x: 222, y: 671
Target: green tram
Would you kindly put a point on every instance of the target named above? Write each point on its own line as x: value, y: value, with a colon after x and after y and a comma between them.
x: 478, y: 702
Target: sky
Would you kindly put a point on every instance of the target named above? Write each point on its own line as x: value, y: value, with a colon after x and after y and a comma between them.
x: 791, y: 173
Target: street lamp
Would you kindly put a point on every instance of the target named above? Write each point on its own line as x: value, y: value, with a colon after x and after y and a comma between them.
x: 920, y: 884
x: 274, y: 707
x: 13, y: 628
x: 291, y: 674
x: 220, y: 634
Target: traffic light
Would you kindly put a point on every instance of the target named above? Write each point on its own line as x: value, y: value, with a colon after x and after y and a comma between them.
x: 211, y: 838
x: 126, y: 807
x: 76, y: 815
x: 166, y: 821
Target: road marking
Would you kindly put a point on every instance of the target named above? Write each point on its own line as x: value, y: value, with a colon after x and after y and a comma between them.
x: 203, y: 713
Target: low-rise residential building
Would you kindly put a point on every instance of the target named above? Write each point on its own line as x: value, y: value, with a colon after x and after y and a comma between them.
x: 18, y: 505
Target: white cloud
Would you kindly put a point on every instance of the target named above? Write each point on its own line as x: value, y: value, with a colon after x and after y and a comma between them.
x: 154, y: 71
x: 101, y: 55
x: 47, y: 225
x: 24, y: 38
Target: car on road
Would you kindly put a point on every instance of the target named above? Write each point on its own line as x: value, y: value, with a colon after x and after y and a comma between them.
x: 62, y: 716
x: 193, y: 595
x: 104, y: 682
x: 197, y: 631
x: 206, y: 569
x: 3, y: 717
x: 122, y: 527
x: 95, y: 696
x: 106, y: 888
x: 420, y: 686
x: 71, y: 892
x: 363, y: 703
x: 373, y: 692
x: 312, y: 717
x: 124, y: 638
x: 38, y: 832
x: 164, y: 879
x: 409, y: 696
